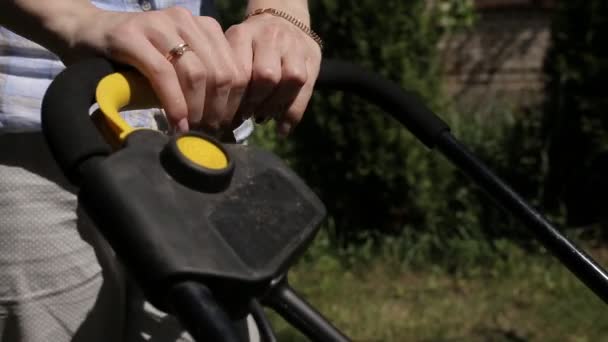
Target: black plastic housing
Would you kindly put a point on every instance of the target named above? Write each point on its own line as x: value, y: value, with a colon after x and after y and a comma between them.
x: 235, y: 241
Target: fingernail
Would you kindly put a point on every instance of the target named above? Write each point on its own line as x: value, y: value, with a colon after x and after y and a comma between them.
x: 284, y: 128
x: 182, y: 125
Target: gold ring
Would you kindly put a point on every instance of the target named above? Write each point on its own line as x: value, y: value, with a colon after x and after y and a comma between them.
x: 177, y: 52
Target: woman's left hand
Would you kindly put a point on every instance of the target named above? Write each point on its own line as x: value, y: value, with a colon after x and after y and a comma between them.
x: 283, y: 62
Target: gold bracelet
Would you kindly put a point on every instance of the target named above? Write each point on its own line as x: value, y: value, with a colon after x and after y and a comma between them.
x: 278, y: 13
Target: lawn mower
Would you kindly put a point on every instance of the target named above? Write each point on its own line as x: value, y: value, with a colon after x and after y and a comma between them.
x: 208, y: 229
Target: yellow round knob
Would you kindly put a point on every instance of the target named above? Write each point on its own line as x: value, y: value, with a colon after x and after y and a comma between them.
x: 202, y: 152
x: 198, y: 162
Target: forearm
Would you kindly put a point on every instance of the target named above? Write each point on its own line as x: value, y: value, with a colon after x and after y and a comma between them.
x: 51, y: 23
x: 297, y: 8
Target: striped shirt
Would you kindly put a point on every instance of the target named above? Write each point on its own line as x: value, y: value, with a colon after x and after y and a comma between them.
x: 26, y: 70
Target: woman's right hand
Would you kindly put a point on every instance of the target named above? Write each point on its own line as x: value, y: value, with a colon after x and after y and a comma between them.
x: 202, y: 88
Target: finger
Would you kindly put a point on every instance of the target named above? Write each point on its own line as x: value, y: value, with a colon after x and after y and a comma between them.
x: 237, y: 92
x: 222, y: 76
x: 294, y: 113
x: 192, y: 76
x: 240, y: 40
x: 145, y: 57
x: 189, y: 67
x: 294, y: 75
x: 265, y: 74
x: 194, y: 72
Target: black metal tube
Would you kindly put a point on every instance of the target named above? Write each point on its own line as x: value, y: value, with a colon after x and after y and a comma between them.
x: 577, y: 261
x: 194, y: 306
x: 262, y: 323
x: 404, y: 106
x: 295, y: 310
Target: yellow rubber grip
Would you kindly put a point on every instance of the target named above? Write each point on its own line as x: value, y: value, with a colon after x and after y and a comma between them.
x: 117, y: 91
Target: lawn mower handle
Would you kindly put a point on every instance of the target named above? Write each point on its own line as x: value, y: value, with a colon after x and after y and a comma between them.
x: 78, y: 83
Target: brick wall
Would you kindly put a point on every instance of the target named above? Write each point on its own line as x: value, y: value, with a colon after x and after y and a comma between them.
x: 502, y: 57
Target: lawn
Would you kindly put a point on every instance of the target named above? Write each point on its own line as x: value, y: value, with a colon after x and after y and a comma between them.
x: 528, y: 298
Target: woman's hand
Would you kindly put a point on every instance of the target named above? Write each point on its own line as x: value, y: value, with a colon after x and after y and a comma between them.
x: 202, y: 88
x: 283, y: 63
x: 266, y: 60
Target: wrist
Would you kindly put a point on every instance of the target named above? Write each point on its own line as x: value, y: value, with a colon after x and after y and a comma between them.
x: 296, y: 8
x: 291, y: 19
x: 67, y: 27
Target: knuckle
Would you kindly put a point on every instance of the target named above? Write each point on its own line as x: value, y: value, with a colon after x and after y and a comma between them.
x: 224, y: 80
x: 179, y: 13
x: 296, y: 76
x: 240, y: 81
x: 267, y: 75
x: 157, y: 19
x: 196, y: 77
x: 211, y: 24
x: 237, y: 31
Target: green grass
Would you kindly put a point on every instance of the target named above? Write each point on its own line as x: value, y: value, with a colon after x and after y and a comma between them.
x: 526, y: 298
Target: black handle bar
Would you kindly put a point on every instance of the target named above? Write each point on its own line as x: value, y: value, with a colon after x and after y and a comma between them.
x: 72, y: 93
x: 404, y: 106
x: 72, y: 136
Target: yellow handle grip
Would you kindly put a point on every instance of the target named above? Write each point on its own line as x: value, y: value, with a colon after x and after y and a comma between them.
x: 119, y: 91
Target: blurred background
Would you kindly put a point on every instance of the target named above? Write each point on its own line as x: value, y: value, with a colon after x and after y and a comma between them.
x: 411, y: 251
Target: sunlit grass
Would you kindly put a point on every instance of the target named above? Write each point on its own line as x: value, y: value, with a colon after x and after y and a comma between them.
x: 530, y: 298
